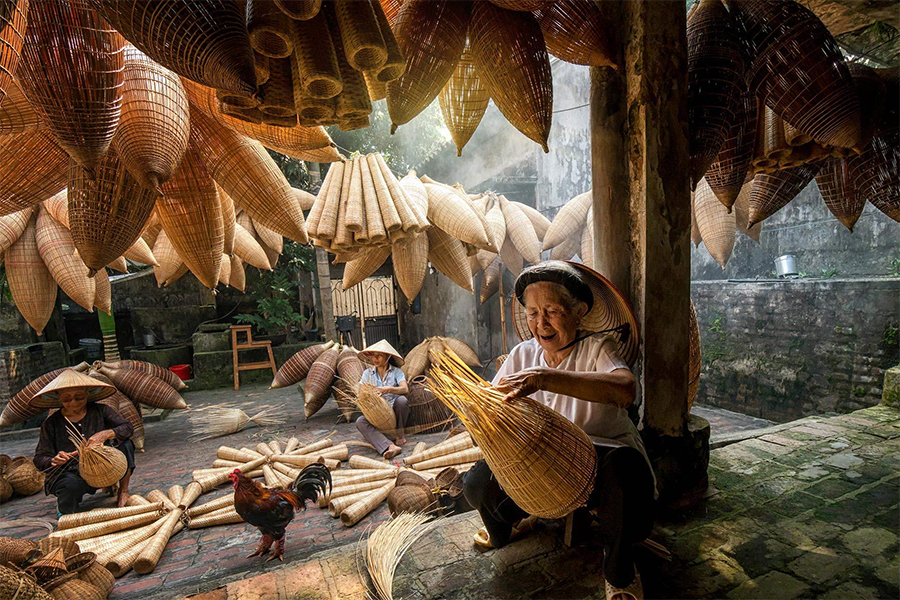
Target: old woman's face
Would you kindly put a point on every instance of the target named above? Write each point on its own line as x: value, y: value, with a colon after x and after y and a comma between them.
x: 73, y: 400
x: 552, y: 315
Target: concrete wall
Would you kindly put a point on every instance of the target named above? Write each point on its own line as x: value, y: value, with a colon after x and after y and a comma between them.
x: 782, y: 350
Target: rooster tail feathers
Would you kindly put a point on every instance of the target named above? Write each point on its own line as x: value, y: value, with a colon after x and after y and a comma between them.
x: 313, y: 480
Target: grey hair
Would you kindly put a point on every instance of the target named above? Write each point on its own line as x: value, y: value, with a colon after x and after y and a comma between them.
x: 565, y: 297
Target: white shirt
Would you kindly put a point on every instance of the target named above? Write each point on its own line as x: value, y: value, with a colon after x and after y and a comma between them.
x: 593, y: 354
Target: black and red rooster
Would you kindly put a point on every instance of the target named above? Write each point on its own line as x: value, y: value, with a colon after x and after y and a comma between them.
x: 270, y: 511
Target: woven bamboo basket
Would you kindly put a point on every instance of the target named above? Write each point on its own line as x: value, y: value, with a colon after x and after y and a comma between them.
x: 798, y: 69
x: 410, y: 259
x: 410, y: 499
x: 728, y: 171
x: 448, y: 255
x: 318, y: 381
x: 310, y: 448
x: 361, y: 35
x: 32, y: 286
x: 33, y: 169
x: 18, y: 584
x: 289, y: 141
x: 99, y: 466
x: 521, y: 232
x: 12, y: 226
x: 17, y: 551
x: 550, y: 471
x: 301, y: 10
x: 72, y: 73
x: 358, y: 269
x: 6, y: 492
x: 70, y: 587
x: 395, y: 64
x: 349, y: 370
x: 278, y: 90
x: 716, y: 224
x: 876, y: 174
x: 52, y: 564
x: 48, y: 544
x: 203, y: 41
x: 153, y: 131
x: 448, y: 460
x: 238, y: 277
x: 151, y: 230
x: 695, y: 362
x: 85, y: 566
x: 351, y: 489
x: 225, y: 517
x: 119, y: 265
x: 151, y: 369
x: 715, y: 80
x: 742, y: 213
x: 375, y: 408
x: 513, y: 261
x: 568, y: 249
x: 389, y: 213
x: 296, y: 367
x: 248, y: 249
x: 361, y: 462
x: 512, y: 58
x: 141, y: 253
x: 357, y: 511
x: 456, y: 443
x: 377, y: 89
x: 568, y: 221
x: 463, y: 101
x: 338, y: 505
x: 250, y: 176
x: 432, y: 36
x: 890, y: 118
x: 107, y: 212
x: 58, y: 252
x: 100, y: 515
x: 16, y: 113
x: 144, y: 388
x: 407, y: 477
x: 772, y: 191
x: 191, y: 214
x: 12, y: 36
x: 314, y: 63
x: 576, y: 32
x: 450, y: 211
x: 838, y: 192
x: 426, y: 413
x: 269, y: 29
x: 211, y: 506
x: 25, y: 479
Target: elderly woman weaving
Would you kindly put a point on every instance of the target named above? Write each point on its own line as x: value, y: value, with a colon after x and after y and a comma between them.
x: 390, y: 382
x: 571, y: 365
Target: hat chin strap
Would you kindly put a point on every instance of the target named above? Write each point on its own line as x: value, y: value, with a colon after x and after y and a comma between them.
x: 624, y: 331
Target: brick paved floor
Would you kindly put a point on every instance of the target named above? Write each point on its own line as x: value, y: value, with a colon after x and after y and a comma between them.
x: 808, y: 510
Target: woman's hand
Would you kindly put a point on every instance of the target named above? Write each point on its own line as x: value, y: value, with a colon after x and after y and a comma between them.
x: 62, y: 458
x: 101, y: 436
x: 523, y: 383
x: 383, y: 390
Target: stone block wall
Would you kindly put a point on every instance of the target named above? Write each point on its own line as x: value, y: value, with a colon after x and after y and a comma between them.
x: 19, y: 365
x: 782, y: 350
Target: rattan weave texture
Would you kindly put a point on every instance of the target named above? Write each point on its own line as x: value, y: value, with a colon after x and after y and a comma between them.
x: 576, y: 32
x: 463, y: 101
x: 32, y: 286
x: 33, y: 169
x: 13, y: 21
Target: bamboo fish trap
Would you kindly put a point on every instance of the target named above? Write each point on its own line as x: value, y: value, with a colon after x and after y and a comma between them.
x: 12, y: 36
x: 576, y: 32
x: 716, y: 224
x: 218, y: 421
x: 463, y: 101
x: 375, y: 408
x: 58, y: 252
x: 30, y: 282
x: 545, y: 463
x: 145, y: 367
x: 16, y: 113
x: 296, y: 367
x: 33, y: 169
x: 99, y: 466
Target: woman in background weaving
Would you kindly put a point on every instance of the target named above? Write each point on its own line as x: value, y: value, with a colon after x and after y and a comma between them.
x: 390, y: 382
x: 571, y: 365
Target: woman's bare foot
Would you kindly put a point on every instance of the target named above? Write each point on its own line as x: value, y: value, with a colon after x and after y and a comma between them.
x: 123, y: 498
x: 392, y: 451
x: 400, y: 441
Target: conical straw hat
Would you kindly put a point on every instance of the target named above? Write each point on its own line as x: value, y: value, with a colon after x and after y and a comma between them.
x: 385, y: 347
x: 48, y: 396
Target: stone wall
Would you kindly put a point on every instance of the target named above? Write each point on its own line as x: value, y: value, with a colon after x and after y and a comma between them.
x: 787, y: 349
x: 19, y: 365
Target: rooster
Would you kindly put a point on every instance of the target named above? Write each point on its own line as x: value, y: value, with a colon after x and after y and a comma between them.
x: 270, y: 511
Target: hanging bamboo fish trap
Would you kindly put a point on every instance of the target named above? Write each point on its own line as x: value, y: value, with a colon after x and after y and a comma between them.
x: 772, y: 191
x: 490, y: 285
x: 33, y: 169
x: 72, y: 73
x: 238, y: 276
x: 353, y: 101
x: 30, y: 282
x: 248, y: 249
x: 728, y: 171
x: 218, y: 421
x: 521, y: 232
x: 511, y: 57
x: 155, y: 124
x: 144, y: 388
x: 838, y: 192
x: 432, y: 36
x: 16, y: 113
x: 12, y: 226
x: 296, y: 367
x: 576, y: 32
x: 269, y: 29
x: 58, y: 252
x: 278, y: 90
x: 448, y: 210
x: 448, y: 255
x: 545, y: 463
x: 360, y: 268
x: 375, y: 408
x: 225, y: 270
x: 539, y: 222
x: 716, y: 223
x: 742, y: 214
x: 363, y: 42
x: 876, y: 174
x: 513, y: 260
x: 300, y: 9
x: 410, y: 259
x: 798, y: 69
x: 103, y: 297
x: 463, y: 101
x: 100, y: 466
x: 314, y: 63
x: 715, y: 79
x: 169, y: 261
x: 318, y: 381
x: 568, y: 249
x: 107, y: 212
x: 569, y: 220
x: 228, y: 220
x: 250, y: 176
x: 191, y: 214
x: 268, y: 237
x: 204, y: 41
x: 13, y: 21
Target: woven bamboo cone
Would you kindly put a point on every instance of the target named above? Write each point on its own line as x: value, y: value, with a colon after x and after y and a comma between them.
x: 339, y: 452
x: 103, y: 299
x: 12, y: 226
x: 119, y: 559
x: 225, y: 517
x: 338, y: 505
x: 569, y: 220
x: 140, y: 252
x: 30, y: 282
x: 137, y: 500
x: 212, y: 505
x: 100, y: 515
x: 409, y: 219
x: 362, y: 462
x: 318, y: 382
x: 269, y: 29
x: 72, y: 73
x: 227, y: 208
x: 248, y: 249
x: 238, y: 277
x: 463, y: 101
x: 58, y: 252
x: 410, y: 258
x: 416, y: 360
x: 327, y: 224
x: 297, y: 366
x: 314, y: 62
x: 496, y: 227
x: 269, y: 238
x: 376, y: 231
x: 521, y: 232
x: 315, y: 213
x: 576, y: 32
x: 153, y: 131
x: 16, y: 113
x: 727, y: 173
x: 250, y: 176
x: 389, y: 214
x: 85, y: 532
x: 364, y: 476
x: 454, y: 214
x: 167, y: 257
x: 363, y: 43
x: 456, y: 443
x: 353, y: 514
x: 359, y: 269
x: 158, y: 496
x: 149, y: 556
x: 310, y: 448
x: 12, y: 37
x: 119, y: 265
x: 101, y: 545
x: 462, y: 349
x: 233, y: 454
x: 175, y: 494
x: 350, y: 489
x: 716, y: 224
x: 540, y: 223
x: 302, y: 460
x: 448, y: 255
x: 447, y: 460
x: 33, y: 169
x: 742, y: 214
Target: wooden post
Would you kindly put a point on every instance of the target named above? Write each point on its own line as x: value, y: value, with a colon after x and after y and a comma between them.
x: 324, y: 272
x: 502, y: 313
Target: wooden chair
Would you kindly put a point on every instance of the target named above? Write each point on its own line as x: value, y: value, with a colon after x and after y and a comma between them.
x: 248, y: 345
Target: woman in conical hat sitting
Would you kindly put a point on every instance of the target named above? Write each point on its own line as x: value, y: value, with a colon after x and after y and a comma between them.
x: 390, y: 382
x: 76, y: 395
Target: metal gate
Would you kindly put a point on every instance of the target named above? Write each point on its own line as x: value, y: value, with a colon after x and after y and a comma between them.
x: 372, y: 303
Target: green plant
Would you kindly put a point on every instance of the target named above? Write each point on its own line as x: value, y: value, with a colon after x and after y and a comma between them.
x: 894, y: 267
x: 715, y: 324
x: 859, y: 392
x: 891, y: 335
x: 275, y: 301
x: 829, y: 273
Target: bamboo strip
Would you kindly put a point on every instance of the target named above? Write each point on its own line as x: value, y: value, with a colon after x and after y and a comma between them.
x: 105, y: 514
x: 454, y: 444
x: 97, y: 529
x: 449, y: 460
x: 352, y: 515
x: 212, y: 505
x: 362, y: 462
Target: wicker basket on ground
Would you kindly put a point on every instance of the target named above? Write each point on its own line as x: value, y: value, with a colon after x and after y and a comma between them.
x: 296, y: 367
x: 88, y: 570
x: 410, y: 498
x: 17, y: 552
x: 21, y: 586
x: 25, y: 478
x: 70, y: 587
x: 426, y: 412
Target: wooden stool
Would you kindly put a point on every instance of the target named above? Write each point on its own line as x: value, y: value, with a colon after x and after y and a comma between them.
x: 248, y: 345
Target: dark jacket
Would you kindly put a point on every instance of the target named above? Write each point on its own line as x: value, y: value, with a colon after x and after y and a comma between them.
x: 55, y: 437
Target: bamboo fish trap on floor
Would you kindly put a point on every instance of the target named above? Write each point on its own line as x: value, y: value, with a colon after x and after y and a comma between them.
x: 545, y: 463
